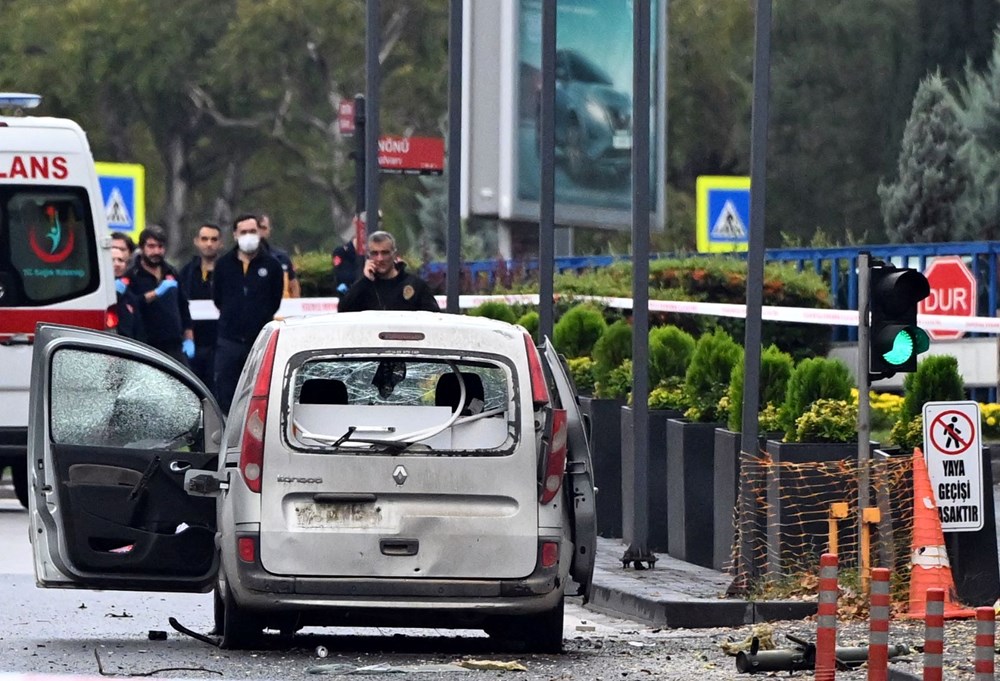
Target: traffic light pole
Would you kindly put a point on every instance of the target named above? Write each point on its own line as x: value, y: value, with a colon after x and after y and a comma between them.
x: 864, y: 383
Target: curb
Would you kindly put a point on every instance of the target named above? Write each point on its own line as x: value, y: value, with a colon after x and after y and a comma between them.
x: 693, y: 613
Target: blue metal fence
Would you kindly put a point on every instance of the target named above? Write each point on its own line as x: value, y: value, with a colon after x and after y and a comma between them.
x: 838, y: 266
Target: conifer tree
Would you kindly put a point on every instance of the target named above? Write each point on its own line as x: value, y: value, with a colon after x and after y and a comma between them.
x: 979, y: 111
x: 922, y: 204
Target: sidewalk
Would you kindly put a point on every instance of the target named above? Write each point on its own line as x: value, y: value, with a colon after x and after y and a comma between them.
x: 677, y: 594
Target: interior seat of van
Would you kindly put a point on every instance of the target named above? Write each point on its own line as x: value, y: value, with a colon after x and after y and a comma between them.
x: 323, y: 391
x: 448, y: 392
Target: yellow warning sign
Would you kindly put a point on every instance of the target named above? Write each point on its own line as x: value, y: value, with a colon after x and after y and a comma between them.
x: 723, y: 213
x: 123, y: 196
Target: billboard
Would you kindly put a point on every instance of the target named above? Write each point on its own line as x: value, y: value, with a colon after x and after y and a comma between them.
x: 593, y: 111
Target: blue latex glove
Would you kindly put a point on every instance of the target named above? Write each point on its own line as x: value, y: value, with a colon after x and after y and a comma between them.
x: 120, y: 286
x: 188, y: 347
x: 165, y: 286
x: 342, y: 288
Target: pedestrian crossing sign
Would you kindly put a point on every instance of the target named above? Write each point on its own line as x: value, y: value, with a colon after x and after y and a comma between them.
x: 123, y: 196
x: 723, y: 213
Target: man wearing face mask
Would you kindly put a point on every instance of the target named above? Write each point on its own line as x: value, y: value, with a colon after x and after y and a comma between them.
x: 162, y: 306
x: 247, y: 290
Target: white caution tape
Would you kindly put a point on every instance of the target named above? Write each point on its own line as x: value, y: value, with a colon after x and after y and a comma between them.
x: 930, y: 557
x: 297, y: 307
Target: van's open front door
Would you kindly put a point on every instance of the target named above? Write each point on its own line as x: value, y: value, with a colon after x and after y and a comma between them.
x: 579, y: 481
x: 113, y: 428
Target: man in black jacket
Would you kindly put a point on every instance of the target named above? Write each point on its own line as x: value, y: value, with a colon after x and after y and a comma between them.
x: 162, y: 306
x: 196, y: 283
x: 385, y: 284
x: 247, y: 289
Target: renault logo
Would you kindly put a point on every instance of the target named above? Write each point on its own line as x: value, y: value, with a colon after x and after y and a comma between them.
x: 399, y: 475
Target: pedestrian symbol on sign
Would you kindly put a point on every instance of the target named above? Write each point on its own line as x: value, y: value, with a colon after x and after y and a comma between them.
x: 116, y: 210
x: 954, y: 433
x: 728, y: 225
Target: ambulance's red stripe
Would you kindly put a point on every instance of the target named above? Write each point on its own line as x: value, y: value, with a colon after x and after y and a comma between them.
x: 23, y: 319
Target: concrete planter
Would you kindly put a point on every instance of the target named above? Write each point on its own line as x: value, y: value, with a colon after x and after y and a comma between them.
x: 604, y: 434
x: 655, y: 478
x: 726, y: 476
x: 790, y: 538
x: 690, y: 490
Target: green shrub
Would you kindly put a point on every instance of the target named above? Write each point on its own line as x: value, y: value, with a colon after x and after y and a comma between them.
x: 581, y: 370
x: 617, y: 383
x: 719, y: 280
x: 813, y: 379
x: 576, y: 331
x: 707, y: 378
x: 936, y: 380
x: 670, y: 350
x: 775, y: 369
x: 315, y: 272
x: 827, y: 421
x: 529, y: 320
x: 908, y: 434
x: 495, y: 309
x: 669, y: 394
x: 612, y: 348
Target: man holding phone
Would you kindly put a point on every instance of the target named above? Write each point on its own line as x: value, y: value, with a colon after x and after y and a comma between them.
x: 385, y: 284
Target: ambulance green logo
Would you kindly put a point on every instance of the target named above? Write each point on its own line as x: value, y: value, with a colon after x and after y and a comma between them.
x: 50, y: 246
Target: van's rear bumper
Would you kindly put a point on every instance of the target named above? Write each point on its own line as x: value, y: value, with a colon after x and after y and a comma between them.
x: 256, y: 588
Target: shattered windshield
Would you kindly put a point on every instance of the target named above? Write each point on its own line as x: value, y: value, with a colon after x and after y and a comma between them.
x: 109, y: 401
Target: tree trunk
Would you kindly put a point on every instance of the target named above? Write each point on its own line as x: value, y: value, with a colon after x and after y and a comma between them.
x: 175, y: 205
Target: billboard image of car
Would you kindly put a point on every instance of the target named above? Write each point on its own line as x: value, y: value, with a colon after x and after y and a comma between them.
x: 593, y: 112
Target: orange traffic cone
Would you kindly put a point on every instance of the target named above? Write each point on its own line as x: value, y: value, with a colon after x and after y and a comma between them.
x: 929, y: 566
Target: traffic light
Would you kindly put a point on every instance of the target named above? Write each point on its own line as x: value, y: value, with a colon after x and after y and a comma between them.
x: 895, y: 338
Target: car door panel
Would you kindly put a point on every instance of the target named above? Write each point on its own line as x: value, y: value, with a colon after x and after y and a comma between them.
x: 130, y: 511
x: 579, y: 481
x: 113, y: 428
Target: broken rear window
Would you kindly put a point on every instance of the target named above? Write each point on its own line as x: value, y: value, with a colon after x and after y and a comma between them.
x: 402, y: 404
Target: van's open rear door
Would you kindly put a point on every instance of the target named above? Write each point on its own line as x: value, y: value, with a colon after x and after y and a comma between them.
x: 579, y: 482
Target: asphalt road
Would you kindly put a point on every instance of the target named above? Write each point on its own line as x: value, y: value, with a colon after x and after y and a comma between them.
x: 49, y: 631
x: 52, y: 631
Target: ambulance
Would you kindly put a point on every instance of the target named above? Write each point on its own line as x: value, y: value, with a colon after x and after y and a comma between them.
x: 54, y: 259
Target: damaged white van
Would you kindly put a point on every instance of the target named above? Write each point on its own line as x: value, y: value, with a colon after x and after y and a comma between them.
x: 52, y: 265
x: 411, y: 469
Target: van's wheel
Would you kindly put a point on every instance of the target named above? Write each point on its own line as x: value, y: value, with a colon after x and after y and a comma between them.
x: 218, y: 611
x: 538, y: 633
x: 19, y: 476
x: 543, y: 632
x: 241, y: 628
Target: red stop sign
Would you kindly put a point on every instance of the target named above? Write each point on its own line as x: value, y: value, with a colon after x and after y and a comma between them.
x: 953, y: 292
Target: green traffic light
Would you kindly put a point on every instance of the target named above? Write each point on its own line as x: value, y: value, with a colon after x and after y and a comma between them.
x: 902, y: 348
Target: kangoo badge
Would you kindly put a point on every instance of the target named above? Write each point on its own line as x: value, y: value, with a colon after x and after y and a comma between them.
x: 408, y: 292
x: 262, y: 272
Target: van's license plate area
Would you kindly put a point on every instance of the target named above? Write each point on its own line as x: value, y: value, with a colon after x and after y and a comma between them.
x: 316, y: 516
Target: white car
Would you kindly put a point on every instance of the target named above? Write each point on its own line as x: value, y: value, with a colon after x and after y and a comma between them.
x: 406, y: 468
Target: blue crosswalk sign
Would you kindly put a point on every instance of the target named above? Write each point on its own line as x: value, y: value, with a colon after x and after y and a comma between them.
x: 723, y: 212
x: 123, y: 196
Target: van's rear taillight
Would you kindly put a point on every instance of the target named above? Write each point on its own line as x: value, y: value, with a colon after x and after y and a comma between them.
x: 539, y: 390
x: 254, y: 425
x: 111, y: 318
x: 555, y: 457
